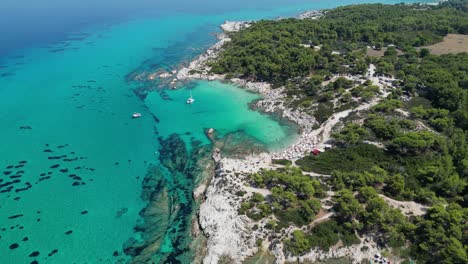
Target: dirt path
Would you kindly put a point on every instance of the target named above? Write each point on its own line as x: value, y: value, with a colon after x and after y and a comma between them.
x: 321, y: 219
x: 324, y: 132
x: 313, y: 174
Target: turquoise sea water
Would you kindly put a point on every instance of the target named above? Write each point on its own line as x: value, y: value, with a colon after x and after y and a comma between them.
x: 73, y: 161
x: 209, y: 111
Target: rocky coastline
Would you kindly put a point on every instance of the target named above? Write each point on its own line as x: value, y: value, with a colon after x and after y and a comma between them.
x: 229, y: 234
x: 233, y: 236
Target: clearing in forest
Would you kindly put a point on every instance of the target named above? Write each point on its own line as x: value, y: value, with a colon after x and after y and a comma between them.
x: 452, y: 43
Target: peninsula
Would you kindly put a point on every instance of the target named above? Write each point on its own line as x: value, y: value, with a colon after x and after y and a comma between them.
x: 379, y: 171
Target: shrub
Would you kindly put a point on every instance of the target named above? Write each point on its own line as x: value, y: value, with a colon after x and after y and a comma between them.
x: 353, y: 158
x: 298, y: 244
x: 323, y: 112
x: 283, y: 162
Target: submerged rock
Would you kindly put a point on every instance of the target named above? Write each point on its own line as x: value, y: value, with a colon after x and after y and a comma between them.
x: 15, y: 216
x: 168, y: 190
x: 14, y: 246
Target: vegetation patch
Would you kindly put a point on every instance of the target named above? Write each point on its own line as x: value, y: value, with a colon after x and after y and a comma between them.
x: 273, y: 50
x: 323, y: 236
x: 294, y: 197
x: 323, y: 112
x: 354, y: 158
x: 283, y: 162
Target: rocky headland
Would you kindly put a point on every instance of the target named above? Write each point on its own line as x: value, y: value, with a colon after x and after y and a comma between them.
x: 234, y: 236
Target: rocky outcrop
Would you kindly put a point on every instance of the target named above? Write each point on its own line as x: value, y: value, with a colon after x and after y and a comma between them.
x: 199, y: 69
x: 312, y: 14
x: 227, y: 232
x: 167, y: 218
x: 234, y: 26
x: 356, y: 253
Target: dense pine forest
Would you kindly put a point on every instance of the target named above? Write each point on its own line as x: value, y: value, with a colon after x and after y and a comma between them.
x: 424, y: 153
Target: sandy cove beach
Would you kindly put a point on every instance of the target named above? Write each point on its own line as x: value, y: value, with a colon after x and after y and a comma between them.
x: 230, y: 234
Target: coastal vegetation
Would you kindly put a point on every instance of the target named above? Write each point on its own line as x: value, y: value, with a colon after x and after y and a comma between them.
x: 279, y: 50
x: 411, y: 146
x: 294, y: 197
x: 323, y: 236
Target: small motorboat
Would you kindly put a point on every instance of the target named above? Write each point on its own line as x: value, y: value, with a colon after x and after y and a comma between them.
x: 190, y: 100
x: 136, y: 115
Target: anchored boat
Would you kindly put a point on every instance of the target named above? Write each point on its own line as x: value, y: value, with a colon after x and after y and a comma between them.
x: 190, y: 100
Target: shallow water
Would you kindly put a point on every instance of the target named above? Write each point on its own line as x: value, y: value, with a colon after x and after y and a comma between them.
x: 209, y: 111
x: 73, y: 161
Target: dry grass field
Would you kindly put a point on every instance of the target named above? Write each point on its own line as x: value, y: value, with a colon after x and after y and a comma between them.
x: 452, y: 43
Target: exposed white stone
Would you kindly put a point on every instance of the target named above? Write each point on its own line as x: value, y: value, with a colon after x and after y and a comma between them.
x: 231, y: 234
x: 234, y: 26
x: 313, y: 14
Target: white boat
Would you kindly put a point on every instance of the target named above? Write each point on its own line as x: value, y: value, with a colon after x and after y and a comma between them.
x: 136, y: 115
x: 190, y: 100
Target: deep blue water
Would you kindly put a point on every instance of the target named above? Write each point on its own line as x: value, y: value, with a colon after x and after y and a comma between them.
x: 27, y: 23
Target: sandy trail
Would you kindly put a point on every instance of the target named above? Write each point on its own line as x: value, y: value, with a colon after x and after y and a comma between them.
x: 406, y: 207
